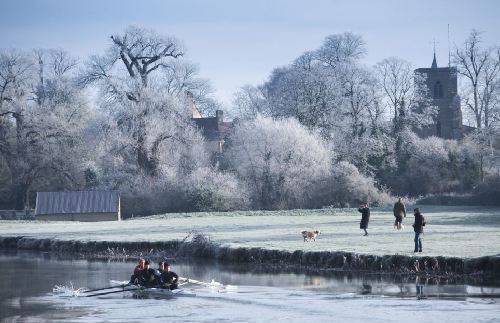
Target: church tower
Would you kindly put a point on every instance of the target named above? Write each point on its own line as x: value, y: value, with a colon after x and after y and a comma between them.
x: 442, y: 87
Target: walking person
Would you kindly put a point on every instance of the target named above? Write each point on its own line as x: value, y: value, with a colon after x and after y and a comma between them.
x: 365, y: 217
x: 418, y: 227
x: 399, y: 212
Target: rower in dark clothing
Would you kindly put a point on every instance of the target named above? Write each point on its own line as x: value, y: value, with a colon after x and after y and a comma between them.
x: 135, y: 278
x: 169, y: 278
x: 149, y: 277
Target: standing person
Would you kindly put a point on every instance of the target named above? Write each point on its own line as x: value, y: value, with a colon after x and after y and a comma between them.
x: 399, y: 212
x: 365, y: 217
x: 418, y: 227
x: 169, y: 278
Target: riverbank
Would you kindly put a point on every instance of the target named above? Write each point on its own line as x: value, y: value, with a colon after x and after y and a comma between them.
x: 457, y: 241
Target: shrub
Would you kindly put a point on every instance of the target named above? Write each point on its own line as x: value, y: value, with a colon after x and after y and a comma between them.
x: 346, y: 186
x: 280, y: 160
x: 211, y: 190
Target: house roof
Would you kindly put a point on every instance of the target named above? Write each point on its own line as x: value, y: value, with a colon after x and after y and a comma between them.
x: 77, y: 202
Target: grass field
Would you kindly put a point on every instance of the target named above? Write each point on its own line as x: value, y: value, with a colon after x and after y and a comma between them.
x: 451, y: 231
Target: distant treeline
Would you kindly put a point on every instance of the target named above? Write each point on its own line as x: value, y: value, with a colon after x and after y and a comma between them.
x: 322, y: 131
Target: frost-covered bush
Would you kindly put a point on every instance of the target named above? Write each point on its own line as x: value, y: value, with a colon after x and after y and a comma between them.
x: 279, y: 160
x: 433, y: 165
x: 372, y: 155
x: 346, y: 186
x: 488, y: 192
x: 427, y: 171
x: 212, y: 190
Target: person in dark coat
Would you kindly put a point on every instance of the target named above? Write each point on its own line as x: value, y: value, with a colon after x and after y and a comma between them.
x: 418, y: 227
x: 365, y: 217
x: 399, y: 212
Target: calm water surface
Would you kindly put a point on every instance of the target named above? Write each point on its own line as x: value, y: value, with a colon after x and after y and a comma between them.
x: 27, y: 280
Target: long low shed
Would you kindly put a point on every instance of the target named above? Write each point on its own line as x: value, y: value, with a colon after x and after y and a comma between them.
x: 85, y: 206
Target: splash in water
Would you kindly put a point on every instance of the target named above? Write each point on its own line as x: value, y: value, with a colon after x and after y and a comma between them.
x: 66, y: 291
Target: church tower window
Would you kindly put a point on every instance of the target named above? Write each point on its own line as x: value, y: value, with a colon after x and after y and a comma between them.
x: 438, y: 90
x: 438, y: 129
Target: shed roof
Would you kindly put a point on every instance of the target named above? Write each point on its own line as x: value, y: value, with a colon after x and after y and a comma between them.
x: 77, y: 202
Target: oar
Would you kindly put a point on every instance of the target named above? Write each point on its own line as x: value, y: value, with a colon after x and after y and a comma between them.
x: 112, y: 292
x: 104, y: 288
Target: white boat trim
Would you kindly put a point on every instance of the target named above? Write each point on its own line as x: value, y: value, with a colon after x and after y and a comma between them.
x: 155, y: 292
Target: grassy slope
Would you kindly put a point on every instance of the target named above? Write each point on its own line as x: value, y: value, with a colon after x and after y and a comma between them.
x: 451, y: 231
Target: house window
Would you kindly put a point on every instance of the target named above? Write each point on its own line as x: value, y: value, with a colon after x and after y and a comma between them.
x: 438, y: 90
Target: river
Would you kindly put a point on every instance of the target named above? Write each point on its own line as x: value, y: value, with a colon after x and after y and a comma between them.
x: 27, y: 280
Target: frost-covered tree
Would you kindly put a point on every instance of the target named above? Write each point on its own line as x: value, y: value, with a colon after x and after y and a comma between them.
x: 146, y: 144
x: 41, y: 117
x: 309, y: 95
x: 360, y: 136
x: 311, y: 89
x: 327, y: 89
x: 480, y: 68
x: 405, y: 94
x: 340, y: 49
x: 249, y: 101
x: 144, y: 90
x: 280, y: 161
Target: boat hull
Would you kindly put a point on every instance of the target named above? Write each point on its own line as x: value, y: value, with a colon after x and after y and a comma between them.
x: 142, y: 292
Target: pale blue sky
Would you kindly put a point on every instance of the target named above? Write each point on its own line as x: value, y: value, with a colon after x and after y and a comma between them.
x: 240, y: 42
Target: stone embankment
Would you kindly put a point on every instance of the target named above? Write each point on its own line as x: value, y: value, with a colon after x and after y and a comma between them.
x: 201, y: 247
x: 17, y: 215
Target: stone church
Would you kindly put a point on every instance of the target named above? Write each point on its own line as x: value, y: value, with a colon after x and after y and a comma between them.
x: 442, y: 86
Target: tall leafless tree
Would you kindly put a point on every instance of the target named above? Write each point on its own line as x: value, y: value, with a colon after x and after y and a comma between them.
x: 481, y: 70
x: 405, y: 93
x: 142, y: 53
x: 41, y: 113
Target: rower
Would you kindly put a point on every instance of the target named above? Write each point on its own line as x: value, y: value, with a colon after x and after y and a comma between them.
x: 159, y: 273
x: 135, y: 278
x: 140, y: 267
x: 149, y: 277
x: 169, y: 278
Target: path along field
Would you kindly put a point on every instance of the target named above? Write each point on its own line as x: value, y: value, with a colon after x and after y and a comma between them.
x: 451, y: 231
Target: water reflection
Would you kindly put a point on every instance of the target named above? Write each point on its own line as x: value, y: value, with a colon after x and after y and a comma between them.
x: 27, y: 278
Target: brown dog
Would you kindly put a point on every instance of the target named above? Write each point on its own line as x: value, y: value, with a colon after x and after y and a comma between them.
x: 311, y: 235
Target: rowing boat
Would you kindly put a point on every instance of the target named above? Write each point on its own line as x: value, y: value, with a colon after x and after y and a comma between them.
x: 142, y: 292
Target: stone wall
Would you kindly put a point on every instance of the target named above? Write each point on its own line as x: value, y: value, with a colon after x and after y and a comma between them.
x: 488, y: 266
x: 17, y: 214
